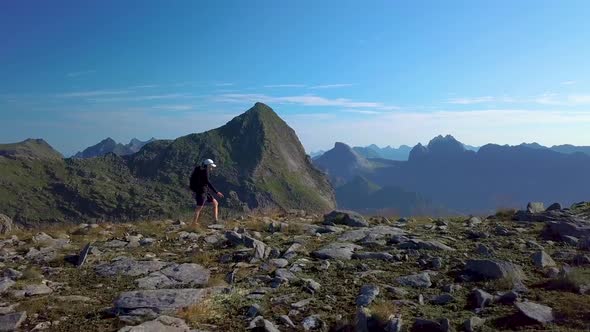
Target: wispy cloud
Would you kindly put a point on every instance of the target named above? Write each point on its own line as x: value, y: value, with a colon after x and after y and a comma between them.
x: 80, y: 73
x: 568, y: 82
x: 144, y: 98
x: 93, y: 93
x: 285, y: 86
x: 542, y: 99
x: 223, y: 84
x: 173, y: 107
x: 331, y: 86
x: 471, y: 100
x: 367, y: 112
x: 305, y: 100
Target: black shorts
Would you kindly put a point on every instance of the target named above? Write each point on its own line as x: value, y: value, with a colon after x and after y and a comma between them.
x: 201, y: 198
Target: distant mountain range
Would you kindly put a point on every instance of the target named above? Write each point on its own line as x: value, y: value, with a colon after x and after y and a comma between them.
x: 459, y: 179
x: 261, y: 164
x: 403, y: 152
x: 109, y: 145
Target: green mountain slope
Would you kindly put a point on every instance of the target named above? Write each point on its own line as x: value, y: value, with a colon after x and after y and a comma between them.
x: 259, y: 156
x: 29, y: 149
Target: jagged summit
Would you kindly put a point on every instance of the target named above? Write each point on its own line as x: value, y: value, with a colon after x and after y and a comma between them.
x: 438, y: 147
x: 342, y: 163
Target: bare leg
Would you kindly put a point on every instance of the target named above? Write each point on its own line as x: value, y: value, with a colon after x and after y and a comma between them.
x: 215, y: 209
x: 197, y: 213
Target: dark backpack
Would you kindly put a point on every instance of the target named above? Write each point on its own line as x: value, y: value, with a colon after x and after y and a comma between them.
x: 194, y: 181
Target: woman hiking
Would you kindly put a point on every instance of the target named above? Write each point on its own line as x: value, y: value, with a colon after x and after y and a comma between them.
x: 200, y: 185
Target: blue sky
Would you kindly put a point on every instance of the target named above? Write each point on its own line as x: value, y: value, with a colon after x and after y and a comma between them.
x: 361, y: 72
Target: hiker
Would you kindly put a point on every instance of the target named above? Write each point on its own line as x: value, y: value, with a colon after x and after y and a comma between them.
x: 200, y: 185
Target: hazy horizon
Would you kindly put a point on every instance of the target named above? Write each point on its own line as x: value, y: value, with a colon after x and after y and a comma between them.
x: 385, y: 73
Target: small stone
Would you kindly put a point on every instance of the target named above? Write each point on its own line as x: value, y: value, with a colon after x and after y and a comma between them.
x: 367, y: 295
x: 421, y: 280
x: 443, y: 299
x: 480, y: 298
x: 5, y: 284
x: 394, y: 324
x: 436, y: 263
x: 311, y: 286
x: 508, y: 297
x: 483, y: 250
x: 537, y: 312
x: 301, y: 304
x: 11, y: 322
x: 253, y: 311
x: 541, y: 259
x: 535, y: 207
x: 287, y: 321
x: 312, y: 323
x: 12, y: 274
x: 473, y: 324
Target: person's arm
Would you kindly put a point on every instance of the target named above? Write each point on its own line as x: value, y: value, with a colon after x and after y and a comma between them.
x: 209, y: 184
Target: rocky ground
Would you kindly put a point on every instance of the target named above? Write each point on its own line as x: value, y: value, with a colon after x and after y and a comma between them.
x: 527, y: 270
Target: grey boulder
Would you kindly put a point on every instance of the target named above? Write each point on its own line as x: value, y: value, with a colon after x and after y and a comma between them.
x: 421, y: 280
x: 537, y: 312
x: 493, y: 269
x: 166, y: 301
x: 336, y: 250
x: 348, y: 218
x: 129, y: 267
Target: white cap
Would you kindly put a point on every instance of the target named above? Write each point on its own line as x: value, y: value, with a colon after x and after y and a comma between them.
x: 208, y: 162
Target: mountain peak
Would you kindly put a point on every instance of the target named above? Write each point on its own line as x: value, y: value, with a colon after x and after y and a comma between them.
x: 447, y: 144
x: 342, y: 146
x: 31, y: 148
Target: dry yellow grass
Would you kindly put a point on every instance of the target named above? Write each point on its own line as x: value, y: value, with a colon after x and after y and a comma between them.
x: 205, y: 312
x: 205, y: 258
x: 382, y: 309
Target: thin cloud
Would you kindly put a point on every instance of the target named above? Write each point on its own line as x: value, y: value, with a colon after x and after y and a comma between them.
x: 285, y: 86
x: 568, y: 82
x: 331, y: 86
x: 469, y: 101
x: 80, y: 73
x: 144, y: 98
x: 367, y: 112
x: 305, y: 100
x: 223, y: 84
x: 91, y: 93
x: 173, y: 107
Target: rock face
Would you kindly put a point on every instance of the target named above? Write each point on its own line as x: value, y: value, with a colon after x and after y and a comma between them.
x: 348, y: 218
x: 537, y: 312
x: 337, y: 250
x: 161, y: 301
x: 428, y: 245
x: 367, y: 295
x: 161, y: 324
x: 421, y: 280
x: 376, y: 233
x: 493, y: 269
x: 559, y: 230
x: 176, y: 275
x: 129, y: 267
x: 5, y: 224
x: 11, y: 322
x: 535, y: 207
x: 542, y: 260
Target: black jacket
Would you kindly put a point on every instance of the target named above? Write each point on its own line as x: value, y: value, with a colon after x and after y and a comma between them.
x: 200, y: 180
